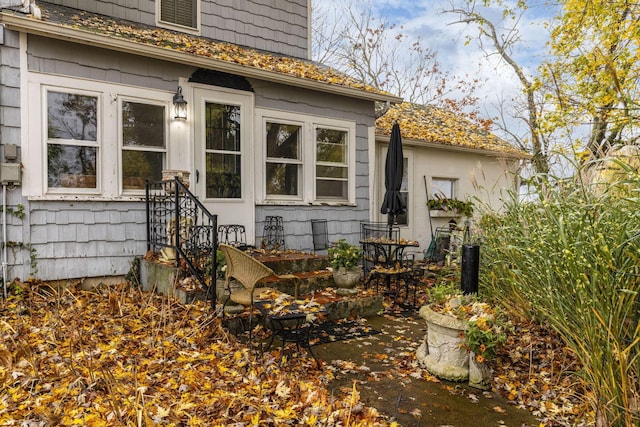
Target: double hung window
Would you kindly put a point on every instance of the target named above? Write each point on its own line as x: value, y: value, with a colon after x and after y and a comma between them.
x: 332, y: 168
x: 72, y: 140
x: 284, y: 159
x: 94, y: 139
x: 143, y: 143
x: 306, y: 159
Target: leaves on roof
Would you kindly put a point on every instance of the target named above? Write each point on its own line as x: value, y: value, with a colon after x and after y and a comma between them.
x: 198, y: 46
x: 440, y: 126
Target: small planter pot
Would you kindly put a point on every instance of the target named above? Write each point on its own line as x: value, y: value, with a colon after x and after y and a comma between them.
x: 443, y: 353
x: 347, y: 278
x: 183, y: 176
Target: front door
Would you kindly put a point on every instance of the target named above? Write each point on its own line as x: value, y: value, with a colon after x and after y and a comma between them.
x: 223, y: 155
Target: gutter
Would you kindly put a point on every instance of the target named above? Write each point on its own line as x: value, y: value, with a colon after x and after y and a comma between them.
x: 59, y: 32
x: 451, y: 147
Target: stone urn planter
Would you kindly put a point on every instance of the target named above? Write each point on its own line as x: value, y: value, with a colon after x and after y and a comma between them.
x: 347, y: 278
x: 443, y: 351
x: 480, y: 375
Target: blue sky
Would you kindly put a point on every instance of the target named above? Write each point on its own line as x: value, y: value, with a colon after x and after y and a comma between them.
x: 424, y: 19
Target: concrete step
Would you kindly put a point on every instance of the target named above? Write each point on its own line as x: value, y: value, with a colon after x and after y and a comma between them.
x: 164, y: 279
x: 292, y: 262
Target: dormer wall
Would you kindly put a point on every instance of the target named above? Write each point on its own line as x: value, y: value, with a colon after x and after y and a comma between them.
x: 280, y: 26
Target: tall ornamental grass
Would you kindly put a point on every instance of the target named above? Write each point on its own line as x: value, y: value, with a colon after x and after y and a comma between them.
x: 572, y: 258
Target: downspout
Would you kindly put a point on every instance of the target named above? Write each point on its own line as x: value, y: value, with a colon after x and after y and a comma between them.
x: 4, y: 240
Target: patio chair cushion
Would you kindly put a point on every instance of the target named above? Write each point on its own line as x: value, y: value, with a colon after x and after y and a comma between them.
x: 243, y: 296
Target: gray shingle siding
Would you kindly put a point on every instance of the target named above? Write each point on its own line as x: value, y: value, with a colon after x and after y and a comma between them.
x: 99, y: 238
x: 343, y: 221
x: 59, y: 57
x: 279, y: 26
x: 86, y: 239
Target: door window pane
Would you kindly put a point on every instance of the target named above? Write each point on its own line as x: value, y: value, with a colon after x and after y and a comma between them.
x: 403, y: 219
x: 144, y: 141
x: 223, y: 176
x: 223, y: 151
x: 222, y: 127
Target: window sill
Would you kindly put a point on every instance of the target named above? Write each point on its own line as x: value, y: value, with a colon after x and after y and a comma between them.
x: 440, y: 213
x: 301, y: 203
x: 85, y: 198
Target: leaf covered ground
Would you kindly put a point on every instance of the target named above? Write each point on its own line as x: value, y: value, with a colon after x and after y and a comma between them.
x: 119, y: 356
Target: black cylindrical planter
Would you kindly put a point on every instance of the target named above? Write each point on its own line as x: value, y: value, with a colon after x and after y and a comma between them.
x: 470, y: 269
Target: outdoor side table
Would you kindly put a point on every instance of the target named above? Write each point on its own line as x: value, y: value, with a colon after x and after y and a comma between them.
x: 389, y: 261
x: 289, y: 325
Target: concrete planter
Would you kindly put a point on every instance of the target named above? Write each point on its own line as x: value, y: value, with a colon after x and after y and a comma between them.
x: 480, y: 375
x: 347, y: 278
x: 443, y: 353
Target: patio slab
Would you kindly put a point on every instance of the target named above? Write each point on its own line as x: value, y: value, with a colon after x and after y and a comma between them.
x: 388, y: 377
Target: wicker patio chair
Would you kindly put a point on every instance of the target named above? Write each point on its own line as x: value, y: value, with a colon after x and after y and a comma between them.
x: 249, y: 272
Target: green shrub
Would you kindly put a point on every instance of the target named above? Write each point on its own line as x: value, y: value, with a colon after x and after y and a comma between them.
x: 572, y: 258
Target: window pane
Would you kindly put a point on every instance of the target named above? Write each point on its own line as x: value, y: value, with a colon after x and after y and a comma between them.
x: 403, y: 219
x: 72, y: 116
x: 333, y: 189
x: 283, y: 141
x: 143, y: 125
x: 138, y: 166
x: 70, y: 166
x: 331, y: 172
x: 441, y: 187
x: 223, y: 179
x: 332, y: 153
x: 222, y: 127
x: 282, y: 179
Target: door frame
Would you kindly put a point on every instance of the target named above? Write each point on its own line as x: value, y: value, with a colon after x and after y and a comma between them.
x: 229, y: 211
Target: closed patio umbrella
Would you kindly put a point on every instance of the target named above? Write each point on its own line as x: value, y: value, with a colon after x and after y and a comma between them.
x: 393, y: 203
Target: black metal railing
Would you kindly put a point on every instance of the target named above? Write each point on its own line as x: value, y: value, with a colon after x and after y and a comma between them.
x: 180, y: 227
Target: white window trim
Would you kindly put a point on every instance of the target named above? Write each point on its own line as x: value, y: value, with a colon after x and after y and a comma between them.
x: 109, y: 176
x: 308, y: 146
x: 176, y: 27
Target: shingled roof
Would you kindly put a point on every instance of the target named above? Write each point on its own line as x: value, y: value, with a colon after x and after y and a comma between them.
x: 127, y: 36
x: 439, y: 126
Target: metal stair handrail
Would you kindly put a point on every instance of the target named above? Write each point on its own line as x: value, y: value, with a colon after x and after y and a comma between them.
x: 179, y: 224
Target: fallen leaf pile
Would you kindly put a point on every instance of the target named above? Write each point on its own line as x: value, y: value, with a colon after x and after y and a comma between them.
x: 534, y: 370
x: 440, y: 126
x: 118, y: 356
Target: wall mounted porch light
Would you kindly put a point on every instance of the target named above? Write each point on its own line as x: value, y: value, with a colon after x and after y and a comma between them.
x: 180, y: 105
